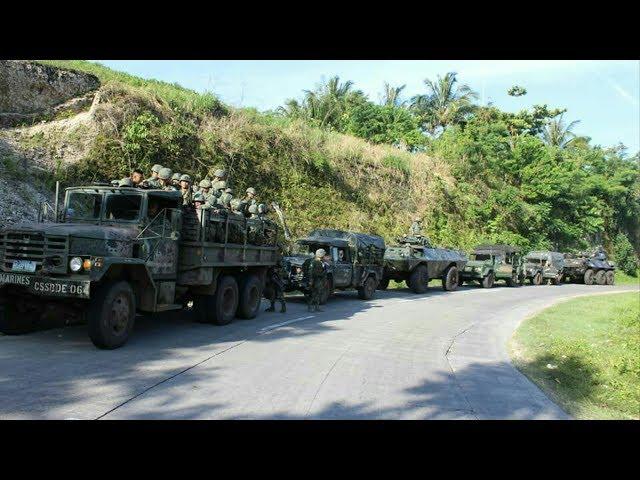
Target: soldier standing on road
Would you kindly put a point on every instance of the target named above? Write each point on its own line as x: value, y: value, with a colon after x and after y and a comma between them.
x: 274, y: 290
x: 185, y: 188
x: 317, y: 280
x: 154, y: 181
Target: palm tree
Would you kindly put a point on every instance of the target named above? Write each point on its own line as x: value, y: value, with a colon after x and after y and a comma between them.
x: 391, y: 96
x: 444, y: 104
x: 558, y: 134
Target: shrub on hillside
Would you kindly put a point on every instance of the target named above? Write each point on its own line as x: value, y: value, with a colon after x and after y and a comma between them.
x: 624, y: 255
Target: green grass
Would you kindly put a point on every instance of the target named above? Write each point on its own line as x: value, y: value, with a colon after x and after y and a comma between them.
x: 624, y: 279
x: 175, y: 95
x: 585, y: 354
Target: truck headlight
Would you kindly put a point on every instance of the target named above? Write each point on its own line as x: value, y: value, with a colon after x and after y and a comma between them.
x: 75, y: 264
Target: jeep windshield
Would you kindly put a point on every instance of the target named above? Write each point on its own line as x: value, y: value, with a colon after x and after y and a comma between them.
x: 102, y: 206
x: 480, y: 256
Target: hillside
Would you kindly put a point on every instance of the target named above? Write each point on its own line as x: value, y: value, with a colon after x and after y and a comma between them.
x: 321, y: 178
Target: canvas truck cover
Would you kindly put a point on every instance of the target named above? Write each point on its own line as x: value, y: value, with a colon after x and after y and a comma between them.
x: 359, y: 240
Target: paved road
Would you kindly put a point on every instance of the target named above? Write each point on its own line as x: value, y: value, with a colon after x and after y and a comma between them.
x: 439, y: 355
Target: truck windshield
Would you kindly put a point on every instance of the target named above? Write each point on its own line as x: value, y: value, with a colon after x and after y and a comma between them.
x: 83, y: 206
x: 537, y: 261
x: 480, y: 256
x: 122, y: 207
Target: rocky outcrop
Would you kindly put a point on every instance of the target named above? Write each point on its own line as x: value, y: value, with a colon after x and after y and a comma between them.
x: 30, y: 91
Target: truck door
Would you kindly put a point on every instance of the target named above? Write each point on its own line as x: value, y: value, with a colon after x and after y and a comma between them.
x: 160, y: 237
x: 342, y: 268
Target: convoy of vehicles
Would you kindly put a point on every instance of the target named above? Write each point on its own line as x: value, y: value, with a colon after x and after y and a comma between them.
x: 415, y: 261
x: 490, y: 263
x: 116, y: 251
x: 544, y: 266
x: 355, y: 262
x: 589, y: 269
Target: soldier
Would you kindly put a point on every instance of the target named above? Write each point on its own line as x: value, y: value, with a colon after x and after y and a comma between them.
x: 225, y: 198
x: 198, y: 200
x: 251, y: 196
x: 219, y: 176
x: 137, y: 177
x: 416, y: 227
x: 205, y: 188
x: 185, y: 188
x: 317, y: 279
x: 274, y: 289
x: 165, y: 179
x: 126, y: 182
x: 153, y: 181
x: 175, y: 180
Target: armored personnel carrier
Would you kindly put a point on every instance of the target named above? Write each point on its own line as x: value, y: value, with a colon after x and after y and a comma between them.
x: 489, y: 263
x: 544, y: 266
x: 355, y: 262
x: 588, y: 268
x: 415, y: 261
x: 116, y: 251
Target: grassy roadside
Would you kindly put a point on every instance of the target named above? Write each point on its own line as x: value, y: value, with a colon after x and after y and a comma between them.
x: 624, y: 279
x: 585, y: 354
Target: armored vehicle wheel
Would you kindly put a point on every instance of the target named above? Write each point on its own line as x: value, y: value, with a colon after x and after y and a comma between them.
x: 368, y: 289
x: 327, y: 291
x: 419, y: 279
x: 450, y: 280
x: 225, y: 300
x: 588, y: 277
x: 600, y: 277
x: 537, y: 279
x: 488, y: 281
x: 14, y: 323
x: 250, y: 296
x: 384, y: 284
x: 610, y: 277
x: 111, y: 315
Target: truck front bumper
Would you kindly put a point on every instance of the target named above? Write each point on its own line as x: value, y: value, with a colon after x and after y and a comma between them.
x: 47, y: 286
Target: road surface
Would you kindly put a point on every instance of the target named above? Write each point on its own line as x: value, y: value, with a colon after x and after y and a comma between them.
x: 441, y: 355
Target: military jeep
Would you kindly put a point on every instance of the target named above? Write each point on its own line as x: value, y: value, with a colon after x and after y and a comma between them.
x: 589, y: 268
x: 490, y: 263
x: 355, y: 262
x: 415, y: 261
x: 115, y: 251
x: 544, y: 266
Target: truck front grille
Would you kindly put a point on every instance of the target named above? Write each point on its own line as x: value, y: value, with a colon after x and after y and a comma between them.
x: 33, y: 247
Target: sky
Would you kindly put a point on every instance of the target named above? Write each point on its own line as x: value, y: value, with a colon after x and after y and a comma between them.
x: 603, y: 95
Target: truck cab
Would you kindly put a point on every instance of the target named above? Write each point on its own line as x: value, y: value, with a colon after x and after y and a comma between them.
x: 543, y: 266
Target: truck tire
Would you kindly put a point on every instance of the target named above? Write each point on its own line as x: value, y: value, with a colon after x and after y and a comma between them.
x: 14, y: 323
x: 537, y: 279
x: 225, y: 300
x: 600, y: 277
x: 450, y: 279
x: 384, y: 284
x: 327, y: 291
x: 368, y: 289
x: 557, y: 280
x: 610, y: 277
x: 250, y: 296
x: 588, y: 277
x: 111, y: 315
x: 488, y: 281
x: 419, y: 279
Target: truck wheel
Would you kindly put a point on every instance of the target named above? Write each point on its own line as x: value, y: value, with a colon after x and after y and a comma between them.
x: 450, y: 280
x: 250, y: 296
x: 488, y: 281
x: 111, y: 315
x: 225, y: 300
x: 588, y: 277
x: 384, y: 284
x: 513, y: 281
x: 557, y: 280
x: 600, y: 277
x: 368, y: 289
x: 14, y: 323
x: 610, y: 277
x: 327, y: 291
x: 419, y: 279
x: 537, y: 279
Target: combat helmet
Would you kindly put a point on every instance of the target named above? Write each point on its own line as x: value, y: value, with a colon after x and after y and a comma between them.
x: 253, y: 209
x: 263, y: 208
x: 185, y: 178
x: 251, y: 190
x: 126, y: 182
x: 175, y: 177
x: 156, y: 168
x: 198, y: 197
x: 165, y: 173
x: 206, y: 183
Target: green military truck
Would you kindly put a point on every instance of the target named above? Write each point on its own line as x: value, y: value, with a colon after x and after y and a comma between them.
x: 415, y: 261
x: 355, y: 262
x: 113, y: 252
x: 490, y: 263
x: 544, y: 266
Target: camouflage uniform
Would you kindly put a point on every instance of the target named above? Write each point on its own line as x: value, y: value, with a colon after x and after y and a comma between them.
x: 165, y: 179
x: 416, y: 228
x: 154, y: 182
x: 187, y: 194
x: 274, y: 290
x: 317, y: 279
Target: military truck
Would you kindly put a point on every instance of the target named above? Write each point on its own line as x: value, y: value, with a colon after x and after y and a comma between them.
x: 355, y: 262
x: 113, y: 252
x: 543, y: 266
x: 589, y: 268
x: 490, y: 263
x: 415, y: 261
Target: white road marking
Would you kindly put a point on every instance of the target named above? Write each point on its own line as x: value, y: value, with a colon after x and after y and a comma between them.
x: 288, y: 322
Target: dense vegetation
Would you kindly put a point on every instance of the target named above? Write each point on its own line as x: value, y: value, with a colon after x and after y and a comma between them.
x: 474, y: 173
x: 585, y: 353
